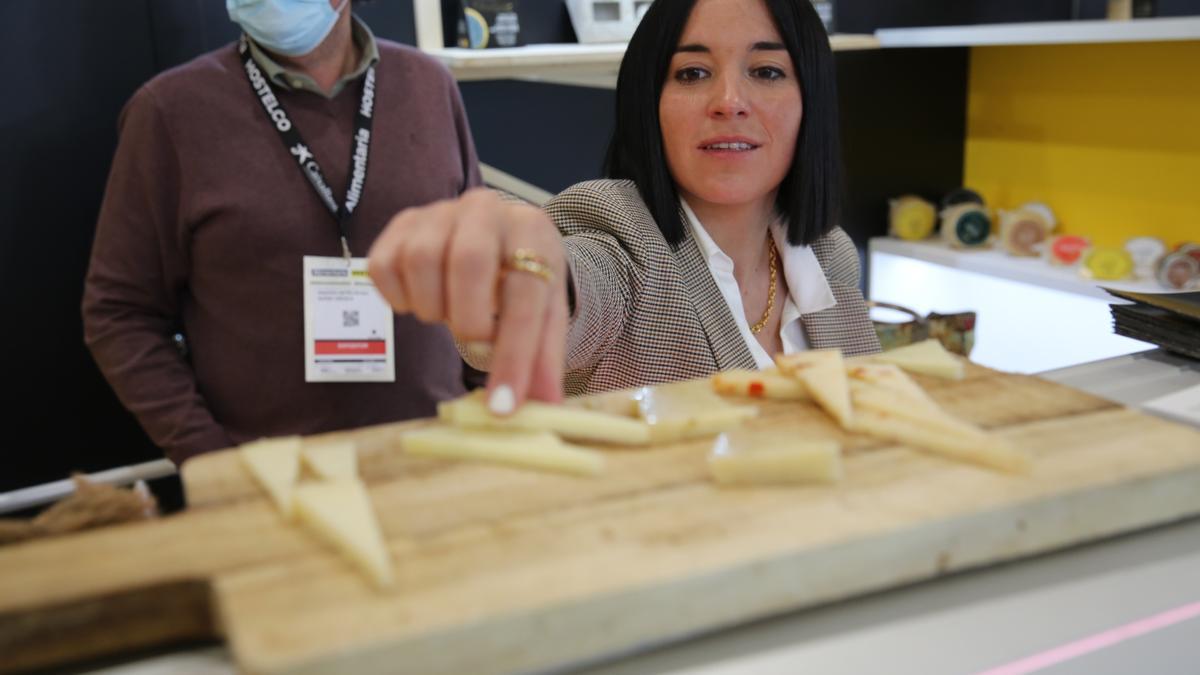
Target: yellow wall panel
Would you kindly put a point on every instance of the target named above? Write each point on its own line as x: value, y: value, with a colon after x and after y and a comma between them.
x: 1107, y: 135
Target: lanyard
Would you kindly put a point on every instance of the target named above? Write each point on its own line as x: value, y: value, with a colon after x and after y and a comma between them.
x: 305, y: 161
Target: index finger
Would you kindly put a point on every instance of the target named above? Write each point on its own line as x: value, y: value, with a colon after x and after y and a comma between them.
x: 524, y: 316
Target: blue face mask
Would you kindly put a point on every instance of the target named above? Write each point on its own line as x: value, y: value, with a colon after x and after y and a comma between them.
x: 287, y: 27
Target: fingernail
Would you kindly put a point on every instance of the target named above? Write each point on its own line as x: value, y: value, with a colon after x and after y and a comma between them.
x: 479, y: 350
x: 502, y: 401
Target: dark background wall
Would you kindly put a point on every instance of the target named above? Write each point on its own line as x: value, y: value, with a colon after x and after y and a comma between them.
x: 69, y: 66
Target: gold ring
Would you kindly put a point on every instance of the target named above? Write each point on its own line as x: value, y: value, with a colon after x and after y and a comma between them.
x: 527, y: 260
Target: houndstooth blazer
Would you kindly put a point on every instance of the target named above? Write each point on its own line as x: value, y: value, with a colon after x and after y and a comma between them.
x: 646, y: 313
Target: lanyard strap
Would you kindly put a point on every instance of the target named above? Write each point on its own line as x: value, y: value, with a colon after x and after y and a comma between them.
x: 305, y: 161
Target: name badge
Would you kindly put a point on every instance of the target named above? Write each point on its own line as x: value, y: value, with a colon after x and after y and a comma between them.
x: 347, y: 324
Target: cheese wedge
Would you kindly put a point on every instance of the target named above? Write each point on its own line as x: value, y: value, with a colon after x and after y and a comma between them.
x: 685, y: 410
x: 330, y: 460
x: 540, y: 450
x: 928, y: 357
x: 340, y: 513
x: 770, y: 384
x: 824, y: 375
x: 573, y: 423
x: 986, y: 451
x: 275, y: 465
x: 761, y: 457
x: 886, y: 376
x: 921, y: 412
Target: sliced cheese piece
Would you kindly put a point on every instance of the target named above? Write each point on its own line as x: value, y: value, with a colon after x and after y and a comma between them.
x: 685, y: 410
x: 928, y: 357
x: 528, y: 449
x: 340, y: 513
x: 885, y: 376
x: 924, y: 413
x: 619, y: 403
x: 770, y: 384
x: 824, y: 375
x: 569, y: 422
x: 762, y: 457
x: 275, y: 465
x: 330, y: 460
x: 987, y: 451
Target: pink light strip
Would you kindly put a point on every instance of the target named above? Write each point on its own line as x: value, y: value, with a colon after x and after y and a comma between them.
x: 1097, y: 642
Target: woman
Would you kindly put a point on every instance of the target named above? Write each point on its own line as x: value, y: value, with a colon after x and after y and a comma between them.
x: 712, y: 247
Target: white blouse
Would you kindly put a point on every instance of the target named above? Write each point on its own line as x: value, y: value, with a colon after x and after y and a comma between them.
x: 808, y: 290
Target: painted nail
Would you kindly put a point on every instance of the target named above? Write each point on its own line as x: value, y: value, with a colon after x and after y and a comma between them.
x: 502, y: 401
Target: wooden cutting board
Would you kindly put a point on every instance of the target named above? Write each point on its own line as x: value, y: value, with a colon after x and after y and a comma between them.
x: 502, y: 570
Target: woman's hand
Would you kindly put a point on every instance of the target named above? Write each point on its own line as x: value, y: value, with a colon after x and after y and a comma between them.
x: 495, y: 273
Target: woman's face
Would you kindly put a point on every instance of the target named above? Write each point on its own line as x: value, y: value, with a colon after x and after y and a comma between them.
x: 730, y: 108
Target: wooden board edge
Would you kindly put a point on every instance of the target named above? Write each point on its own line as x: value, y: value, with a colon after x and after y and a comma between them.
x: 592, y: 629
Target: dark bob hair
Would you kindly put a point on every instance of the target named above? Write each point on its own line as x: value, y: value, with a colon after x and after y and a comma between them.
x: 809, y: 196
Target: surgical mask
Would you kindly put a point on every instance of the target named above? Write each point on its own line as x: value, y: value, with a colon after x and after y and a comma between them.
x: 287, y: 27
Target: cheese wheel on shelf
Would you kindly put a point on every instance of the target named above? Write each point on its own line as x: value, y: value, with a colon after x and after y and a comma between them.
x: 1105, y: 263
x: 966, y: 225
x: 911, y: 218
x: 1067, y: 249
x: 1022, y: 231
x: 1146, y: 253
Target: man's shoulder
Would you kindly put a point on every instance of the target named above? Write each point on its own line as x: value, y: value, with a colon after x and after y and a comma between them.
x: 412, y: 61
x: 189, y: 85
x: 210, y: 67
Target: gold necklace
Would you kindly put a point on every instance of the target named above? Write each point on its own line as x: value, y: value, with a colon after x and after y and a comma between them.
x: 762, y: 323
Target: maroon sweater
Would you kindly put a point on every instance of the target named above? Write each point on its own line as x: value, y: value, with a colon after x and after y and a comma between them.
x: 204, y: 225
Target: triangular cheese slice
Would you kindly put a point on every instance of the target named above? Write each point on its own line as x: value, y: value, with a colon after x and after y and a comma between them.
x: 922, y: 412
x: 928, y: 357
x: 886, y: 376
x: 824, y: 374
x: 528, y: 449
x: 331, y: 460
x: 984, y: 450
x: 340, y: 513
x: 275, y: 465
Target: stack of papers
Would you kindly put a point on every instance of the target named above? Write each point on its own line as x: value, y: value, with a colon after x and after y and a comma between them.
x: 1169, y: 320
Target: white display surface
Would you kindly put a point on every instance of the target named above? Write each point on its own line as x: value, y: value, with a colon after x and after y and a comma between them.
x: 1026, y: 321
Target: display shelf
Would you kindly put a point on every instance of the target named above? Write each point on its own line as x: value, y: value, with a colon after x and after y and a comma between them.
x: 1043, y: 33
x: 995, y: 262
x: 579, y: 64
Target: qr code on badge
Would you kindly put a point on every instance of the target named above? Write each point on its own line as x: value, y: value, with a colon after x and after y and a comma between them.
x: 349, y: 318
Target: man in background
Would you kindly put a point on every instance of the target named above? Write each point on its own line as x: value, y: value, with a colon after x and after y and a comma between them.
x: 234, y: 174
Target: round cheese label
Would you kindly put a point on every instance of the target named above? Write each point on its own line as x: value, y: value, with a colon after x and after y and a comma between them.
x: 966, y: 225
x: 912, y: 218
x: 1022, y: 231
x: 973, y: 228
x: 1178, y: 270
x: 1146, y: 252
x: 1108, y: 264
x: 1067, y: 249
